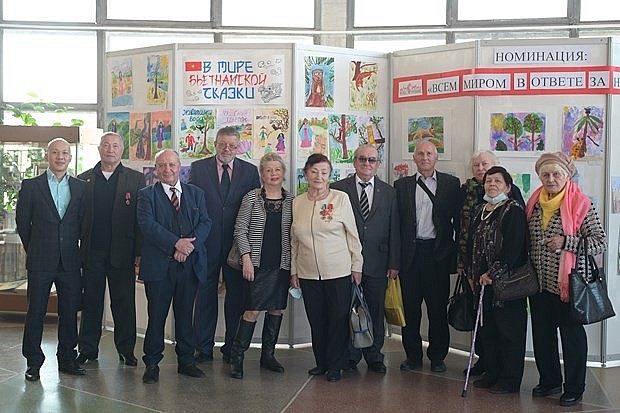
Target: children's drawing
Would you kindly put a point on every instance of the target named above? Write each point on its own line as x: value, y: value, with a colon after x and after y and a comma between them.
x: 302, y: 184
x: 140, y: 136
x: 518, y: 132
x: 157, y: 79
x: 342, y: 138
x: 312, y: 132
x: 161, y: 130
x: 371, y: 130
x: 197, y: 132
x: 582, y: 132
x: 271, y: 127
x: 400, y: 170
x: 363, y: 85
x: 425, y: 128
x: 615, y: 194
x: 524, y: 183
x: 319, y: 81
x: 121, y: 82
x: 118, y: 122
x: 241, y: 120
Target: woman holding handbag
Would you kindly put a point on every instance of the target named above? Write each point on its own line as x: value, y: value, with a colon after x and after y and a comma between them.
x: 472, y: 195
x: 326, y: 255
x: 497, y: 243
x: 559, y: 214
x: 262, y: 232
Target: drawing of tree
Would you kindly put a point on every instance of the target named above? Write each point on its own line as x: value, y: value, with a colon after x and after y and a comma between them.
x: 533, y: 124
x: 376, y: 120
x: 588, y: 120
x: 340, y: 136
x: 513, y: 126
x: 154, y: 69
x: 204, y: 124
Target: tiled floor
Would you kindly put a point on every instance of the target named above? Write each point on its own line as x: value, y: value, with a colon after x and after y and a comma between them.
x: 110, y: 387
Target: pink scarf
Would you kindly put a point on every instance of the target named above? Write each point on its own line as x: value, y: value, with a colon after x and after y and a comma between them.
x: 573, y: 211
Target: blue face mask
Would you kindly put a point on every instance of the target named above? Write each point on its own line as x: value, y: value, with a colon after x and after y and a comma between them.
x: 494, y: 201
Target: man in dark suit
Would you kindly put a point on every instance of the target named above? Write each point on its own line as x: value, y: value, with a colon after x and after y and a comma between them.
x: 50, y: 209
x: 428, y: 231
x: 110, y: 249
x: 225, y: 180
x: 378, y: 225
x: 174, y: 220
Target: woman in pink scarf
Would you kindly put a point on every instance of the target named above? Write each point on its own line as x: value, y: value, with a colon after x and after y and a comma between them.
x: 559, y: 214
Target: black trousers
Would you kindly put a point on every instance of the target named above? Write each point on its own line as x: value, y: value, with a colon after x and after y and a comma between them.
x: 206, y: 308
x: 327, y: 305
x: 548, y: 314
x: 503, y: 340
x: 374, y: 292
x: 428, y: 281
x: 68, y: 288
x: 122, y: 287
x: 179, y: 287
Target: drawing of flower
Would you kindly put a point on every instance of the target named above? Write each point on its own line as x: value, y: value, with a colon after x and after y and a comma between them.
x: 327, y: 212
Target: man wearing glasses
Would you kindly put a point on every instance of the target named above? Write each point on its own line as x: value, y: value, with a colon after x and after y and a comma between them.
x: 376, y: 215
x: 225, y: 180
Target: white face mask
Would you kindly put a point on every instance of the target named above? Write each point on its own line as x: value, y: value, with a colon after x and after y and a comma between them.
x: 494, y: 201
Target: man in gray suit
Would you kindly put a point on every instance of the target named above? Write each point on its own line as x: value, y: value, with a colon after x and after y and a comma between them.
x: 376, y: 215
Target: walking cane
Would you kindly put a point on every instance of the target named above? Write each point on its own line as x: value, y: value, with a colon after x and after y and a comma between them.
x: 473, y: 340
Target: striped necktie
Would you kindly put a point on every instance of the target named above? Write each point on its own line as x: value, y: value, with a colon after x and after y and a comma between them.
x: 175, y: 199
x: 364, y: 205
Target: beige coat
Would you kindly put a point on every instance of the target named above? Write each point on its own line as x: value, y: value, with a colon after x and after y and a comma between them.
x: 324, y: 240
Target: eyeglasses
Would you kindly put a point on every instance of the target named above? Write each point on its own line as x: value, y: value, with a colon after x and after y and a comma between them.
x: 231, y: 146
x: 363, y: 159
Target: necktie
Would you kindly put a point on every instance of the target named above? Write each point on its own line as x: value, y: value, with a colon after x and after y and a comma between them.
x: 364, y: 205
x: 175, y: 199
x: 225, y: 182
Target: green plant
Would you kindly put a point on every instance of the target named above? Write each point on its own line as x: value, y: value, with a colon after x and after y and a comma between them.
x: 23, y: 111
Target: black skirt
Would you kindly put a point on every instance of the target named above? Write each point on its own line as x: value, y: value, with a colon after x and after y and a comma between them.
x: 268, y: 291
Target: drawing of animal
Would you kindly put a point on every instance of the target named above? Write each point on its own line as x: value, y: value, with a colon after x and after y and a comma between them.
x: 422, y: 133
x: 359, y: 76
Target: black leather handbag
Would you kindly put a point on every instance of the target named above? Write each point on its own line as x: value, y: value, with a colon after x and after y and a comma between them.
x: 461, y: 312
x: 517, y: 283
x: 360, y: 321
x: 588, y: 293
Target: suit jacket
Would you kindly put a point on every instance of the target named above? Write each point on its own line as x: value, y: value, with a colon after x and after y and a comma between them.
x: 155, y: 218
x: 380, y: 234
x: 446, y: 213
x: 45, y: 236
x: 126, y: 235
x: 223, y: 212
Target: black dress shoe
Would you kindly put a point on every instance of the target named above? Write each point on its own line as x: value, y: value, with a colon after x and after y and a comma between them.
x: 485, y: 382
x: 128, y: 358
x: 151, y: 374
x: 334, y: 375
x: 190, y: 370
x: 476, y: 370
x: 71, y: 367
x: 351, y: 366
x: 32, y: 374
x: 542, y: 390
x: 83, y: 358
x: 570, y: 399
x: 317, y: 371
x: 226, y: 358
x: 201, y: 357
x: 438, y: 366
x: 501, y: 389
x: 409, y: 365
x: 377, y: 367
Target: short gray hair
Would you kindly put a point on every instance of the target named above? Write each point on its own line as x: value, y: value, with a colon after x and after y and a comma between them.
x: 271, y: 157
x: 477, y: 154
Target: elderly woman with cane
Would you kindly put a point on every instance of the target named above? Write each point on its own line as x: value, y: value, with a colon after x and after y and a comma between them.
x: 559, y: 214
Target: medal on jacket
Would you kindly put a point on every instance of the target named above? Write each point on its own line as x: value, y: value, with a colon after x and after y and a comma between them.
x: 127, y: 198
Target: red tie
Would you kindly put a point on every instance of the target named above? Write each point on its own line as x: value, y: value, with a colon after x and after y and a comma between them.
x: 175, y: 199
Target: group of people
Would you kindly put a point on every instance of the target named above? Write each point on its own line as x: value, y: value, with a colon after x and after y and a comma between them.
x: 80, y: 232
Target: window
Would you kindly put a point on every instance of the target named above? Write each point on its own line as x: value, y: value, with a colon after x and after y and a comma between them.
x: 57, y: 10
x: 402, y: 42
x: 123, y: 40
x: 543, y: 34
x: 49, y: 118
x: 58, y: 66
x: 268, y: 13
x: 233, y: 38
x: 399, y: 13
x: 179, y: 10
x: 522, y: 9
x: 592, y: 10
